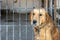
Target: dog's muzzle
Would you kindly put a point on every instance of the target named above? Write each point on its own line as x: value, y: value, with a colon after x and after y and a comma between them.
x: 34, y: 21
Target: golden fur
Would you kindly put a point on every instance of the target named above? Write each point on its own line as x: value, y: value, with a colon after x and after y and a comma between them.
x: 44, y: 28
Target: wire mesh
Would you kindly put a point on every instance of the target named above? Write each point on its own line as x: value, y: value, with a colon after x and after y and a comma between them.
x: 14, y: 19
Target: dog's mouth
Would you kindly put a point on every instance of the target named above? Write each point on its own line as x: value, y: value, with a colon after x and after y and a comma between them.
x: 36, y: 24
x: 40, y: 25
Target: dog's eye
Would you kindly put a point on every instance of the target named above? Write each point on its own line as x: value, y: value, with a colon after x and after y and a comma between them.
x: 40, y: 14
x: 33, y: 14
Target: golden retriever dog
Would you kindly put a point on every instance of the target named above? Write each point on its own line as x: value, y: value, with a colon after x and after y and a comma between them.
x: 43, y: 26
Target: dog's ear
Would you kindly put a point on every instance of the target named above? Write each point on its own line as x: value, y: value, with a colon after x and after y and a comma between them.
x: 47, y: 17
x: 29, y: 16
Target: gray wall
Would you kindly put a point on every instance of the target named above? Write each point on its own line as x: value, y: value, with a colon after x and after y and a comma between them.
x: 20, y: 5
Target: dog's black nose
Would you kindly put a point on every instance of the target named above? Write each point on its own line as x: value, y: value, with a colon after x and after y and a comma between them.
x: 34, y: 21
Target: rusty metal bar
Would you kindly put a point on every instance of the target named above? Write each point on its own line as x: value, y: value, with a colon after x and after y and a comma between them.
x: 55, y: 11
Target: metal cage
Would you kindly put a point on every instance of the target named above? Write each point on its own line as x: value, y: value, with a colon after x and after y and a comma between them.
x: 14, y: 19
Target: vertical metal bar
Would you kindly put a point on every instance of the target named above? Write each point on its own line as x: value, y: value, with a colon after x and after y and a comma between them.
x: 40, y: 5
x: 26, y: 19
x: 58, y: 16
x: 0, y: 20
x: 13, y: 19
x: 6, y: 32
x: 6, y: 24
x: 13, y: 24
x: 51, y: 8
x: 32, y: 21
x: 33, y: 3
x: 0, y: 24
x: 7, y: 19
x: 55, y: 11
x: 46, y: 5
x: 45, y: 20
x: 19, y: 27
x: 20, y: 21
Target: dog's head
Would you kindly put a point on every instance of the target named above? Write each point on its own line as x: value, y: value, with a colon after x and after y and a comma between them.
x: 39, y: 16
